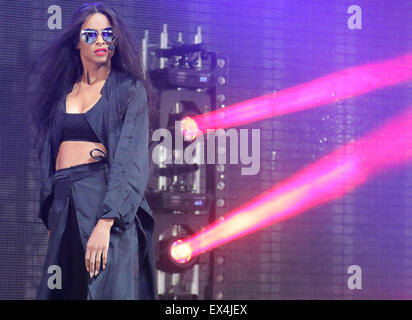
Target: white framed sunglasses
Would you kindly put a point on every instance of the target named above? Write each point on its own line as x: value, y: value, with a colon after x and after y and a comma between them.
x: 89, y: 36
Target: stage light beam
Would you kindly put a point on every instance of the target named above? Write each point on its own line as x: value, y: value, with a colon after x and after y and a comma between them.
x: 339, y: 85
x: 327, y: 179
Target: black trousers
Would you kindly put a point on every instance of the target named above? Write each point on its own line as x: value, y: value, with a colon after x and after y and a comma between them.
x: 71, y: 252
x: 71, y: 260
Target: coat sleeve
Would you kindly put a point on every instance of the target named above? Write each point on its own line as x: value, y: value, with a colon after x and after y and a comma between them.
x: 129, y: 170
x: 46, y: 182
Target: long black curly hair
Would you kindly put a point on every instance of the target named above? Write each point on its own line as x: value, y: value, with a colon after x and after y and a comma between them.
x: 59, y: 66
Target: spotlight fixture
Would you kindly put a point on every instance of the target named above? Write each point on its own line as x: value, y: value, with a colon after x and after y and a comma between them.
x: 221, y: 62
x: 190, y: 129
x: 220, y: 185
x: 175, y: 256
x: 221, y: 203
x: 221, y: 80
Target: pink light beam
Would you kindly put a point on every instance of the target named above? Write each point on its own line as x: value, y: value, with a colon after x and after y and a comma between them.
x: 337, y: 86
x: 327, y: 179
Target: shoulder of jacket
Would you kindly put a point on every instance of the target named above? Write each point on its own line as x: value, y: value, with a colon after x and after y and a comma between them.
x: 130, y: 85
x: 127, y: 87
x: 126, y: 80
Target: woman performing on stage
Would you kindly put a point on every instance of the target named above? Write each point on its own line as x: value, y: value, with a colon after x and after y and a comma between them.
x: 90, y: 111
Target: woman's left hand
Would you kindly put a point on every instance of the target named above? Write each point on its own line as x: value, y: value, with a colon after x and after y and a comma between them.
x: 98, y: 246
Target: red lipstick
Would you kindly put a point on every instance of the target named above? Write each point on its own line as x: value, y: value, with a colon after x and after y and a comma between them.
x: 100, y: 52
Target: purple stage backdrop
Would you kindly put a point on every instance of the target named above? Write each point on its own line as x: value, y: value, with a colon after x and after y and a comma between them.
x: 270, y: 45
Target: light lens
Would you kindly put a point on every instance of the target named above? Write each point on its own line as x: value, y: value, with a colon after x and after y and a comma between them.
x: 180, y: 252
x: 190, y: 129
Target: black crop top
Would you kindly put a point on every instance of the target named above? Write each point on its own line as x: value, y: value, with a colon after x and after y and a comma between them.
x: 76, y: 128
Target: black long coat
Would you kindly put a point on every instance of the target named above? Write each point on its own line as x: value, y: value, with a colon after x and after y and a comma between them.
x: 122, y: 126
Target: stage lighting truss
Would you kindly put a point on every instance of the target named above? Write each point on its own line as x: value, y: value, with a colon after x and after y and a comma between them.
x: 320, y: 182
x: 179, y: 104
x: 217, y: 288
x: 190, y: 82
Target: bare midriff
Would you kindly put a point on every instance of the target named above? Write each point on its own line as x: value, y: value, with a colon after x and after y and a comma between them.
x: 73, y: 153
